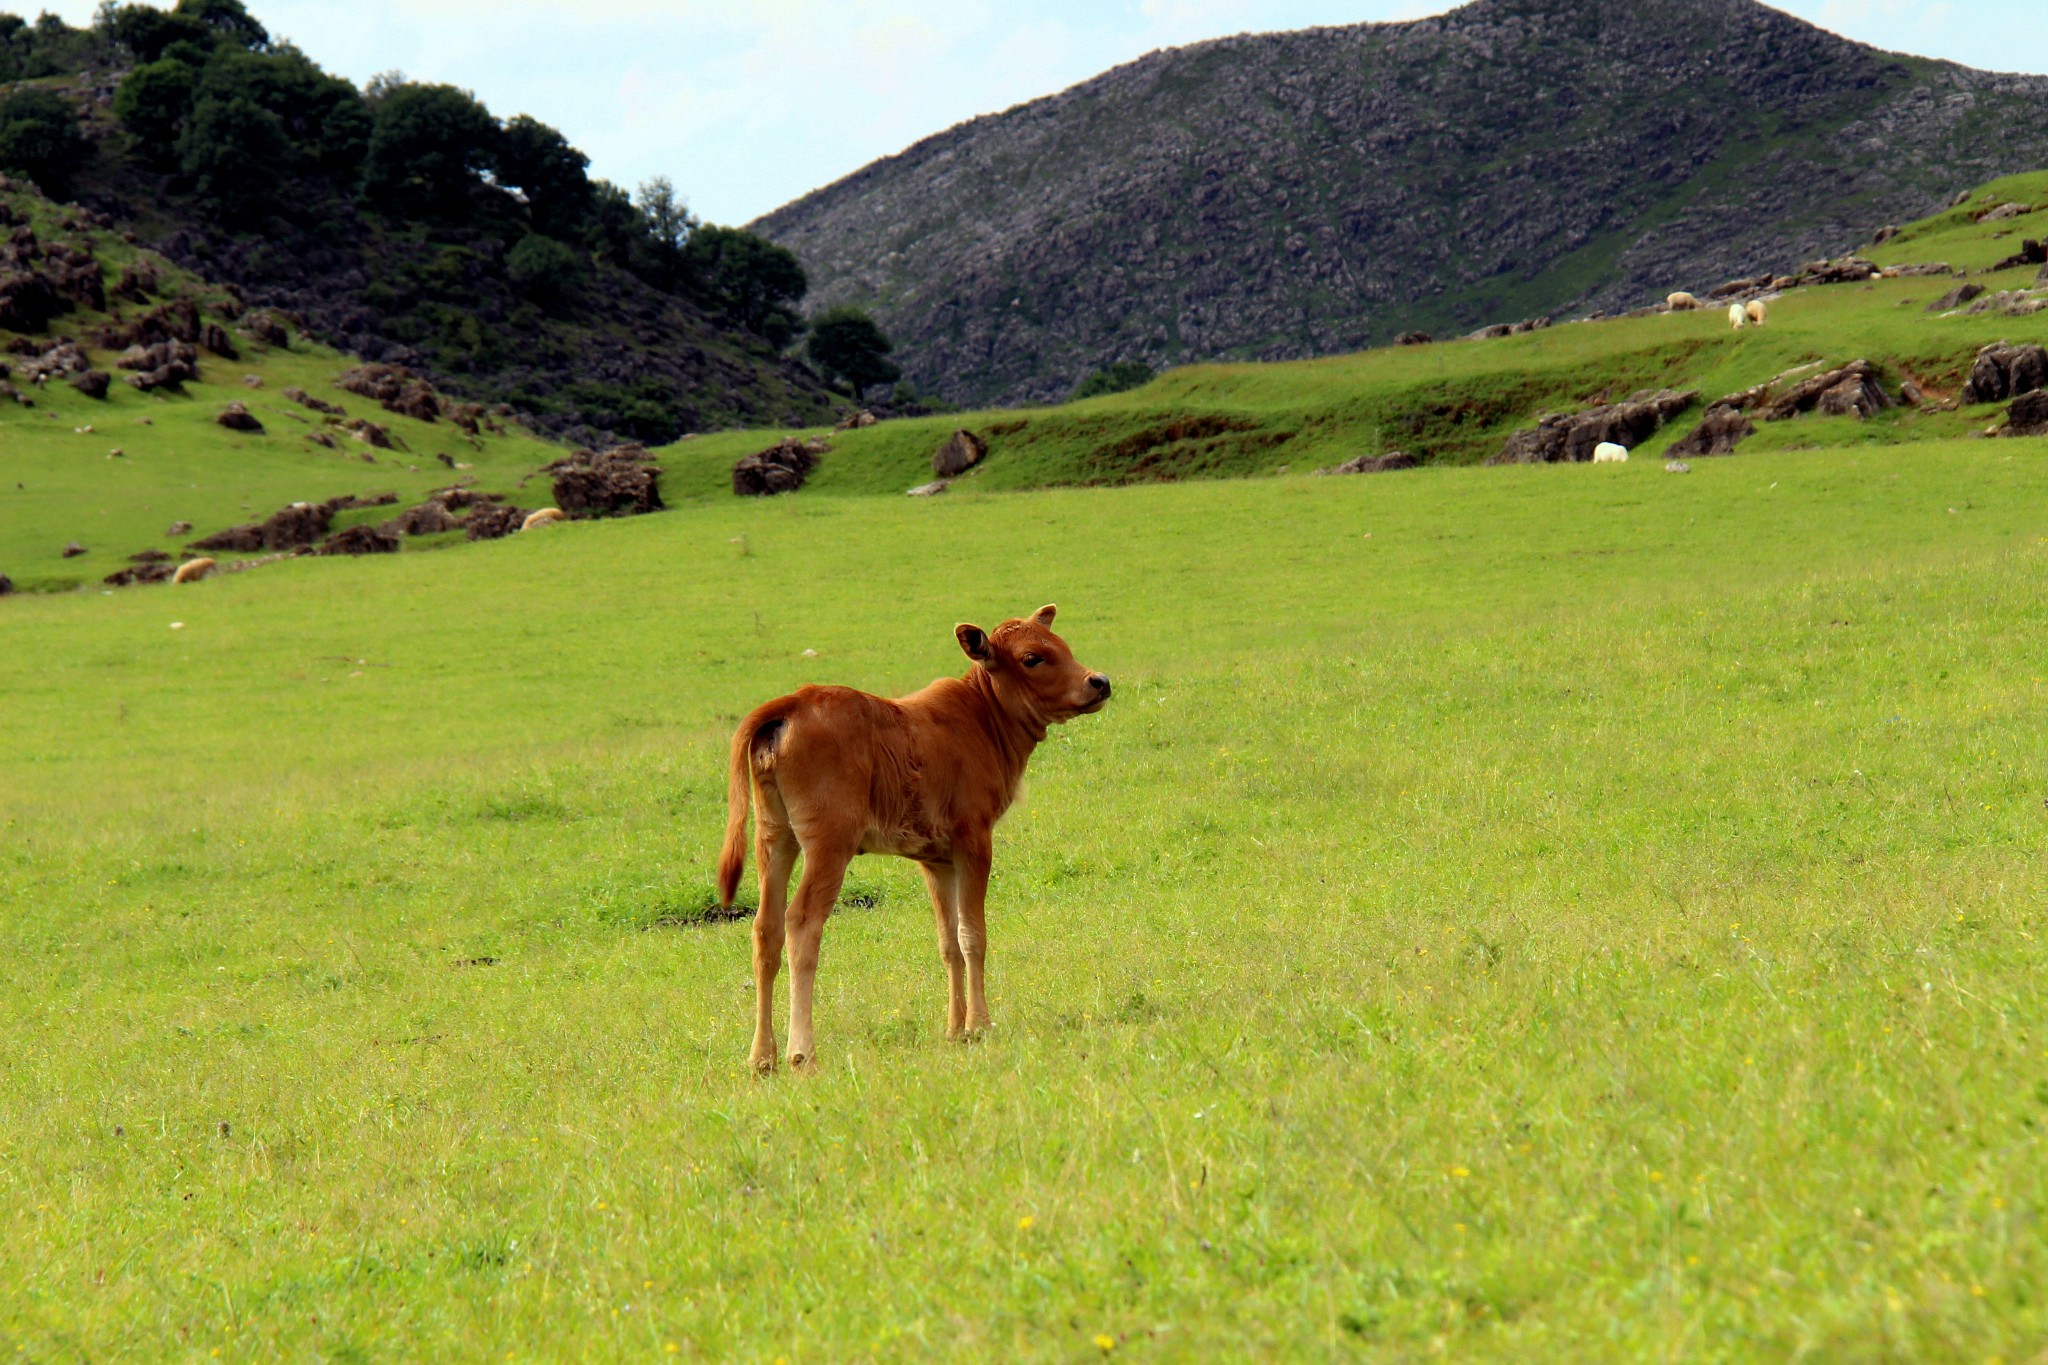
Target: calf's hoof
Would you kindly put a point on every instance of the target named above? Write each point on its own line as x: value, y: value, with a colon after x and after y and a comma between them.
x: 802, y: 1061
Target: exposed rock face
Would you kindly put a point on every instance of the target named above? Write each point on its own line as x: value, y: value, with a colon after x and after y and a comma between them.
x: 141, y: 573
x: 429, y: 518
x: 494, y: 522
x: 781, y: 468
x: 61, y: 360
x: 1847, y: 270
x: 854, y: 421
x: 2030, y: 253
x: 92, y: 383
x: 2012, y: 303
x: 962, y: 451
x: 1852, y: 391
x: 307, y: 400
x: 27, y: 300
x: 2029, y: 415
x: 621, y: 482
x: 1571, y: 438
x: 1278, y: 196
x: 289, y: 528
x: 1375, y: 464
x: 398, y: 389
x: 1722, y: 429
x: 160, y: 365
x: 2004, y: 371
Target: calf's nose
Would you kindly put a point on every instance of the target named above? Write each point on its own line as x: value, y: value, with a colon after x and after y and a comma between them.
x: 1100, y: 682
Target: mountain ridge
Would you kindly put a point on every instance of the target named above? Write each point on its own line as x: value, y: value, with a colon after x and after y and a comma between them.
x: 1279, y: 196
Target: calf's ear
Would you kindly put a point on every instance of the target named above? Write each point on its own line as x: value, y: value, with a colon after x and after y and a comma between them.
x: 1045, y: 614
x: 974, y: 643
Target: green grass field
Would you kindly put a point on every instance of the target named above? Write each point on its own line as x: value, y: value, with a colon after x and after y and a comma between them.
x: 1571, y: 913
x: 1567, y: 913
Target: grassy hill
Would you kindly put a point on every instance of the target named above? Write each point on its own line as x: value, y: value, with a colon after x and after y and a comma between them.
x: 1456, y: 402
x: 1565, y: 912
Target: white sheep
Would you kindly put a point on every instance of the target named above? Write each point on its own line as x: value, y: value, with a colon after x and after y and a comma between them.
x: 1738, y: 316
x: 546, y: 516
x: 1681, y: 302
x: 1607, y: 452
x: 1757, y: 311
x: 192, y: 570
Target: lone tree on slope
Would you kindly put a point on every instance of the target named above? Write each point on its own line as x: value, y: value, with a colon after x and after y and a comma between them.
x: 845, y: 343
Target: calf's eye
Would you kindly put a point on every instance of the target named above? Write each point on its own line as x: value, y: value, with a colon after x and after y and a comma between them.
x: 1032, y: 661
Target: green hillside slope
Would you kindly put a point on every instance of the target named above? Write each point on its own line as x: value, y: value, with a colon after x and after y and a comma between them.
x: 1457, y: 402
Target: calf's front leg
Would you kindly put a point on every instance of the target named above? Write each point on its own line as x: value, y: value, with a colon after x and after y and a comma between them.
x: 970, y: 872
x: 945, y: 888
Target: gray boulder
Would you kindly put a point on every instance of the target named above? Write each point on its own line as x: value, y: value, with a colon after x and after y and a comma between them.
x: 2005, y: 371
x: 962, y: 451
x: 1560, y: 438
x: 1722, y: 429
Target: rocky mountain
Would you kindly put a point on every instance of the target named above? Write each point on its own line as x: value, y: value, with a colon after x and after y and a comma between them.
x: 1297, y: 194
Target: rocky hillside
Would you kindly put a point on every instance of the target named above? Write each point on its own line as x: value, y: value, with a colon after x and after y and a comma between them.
x: 1291, y: 195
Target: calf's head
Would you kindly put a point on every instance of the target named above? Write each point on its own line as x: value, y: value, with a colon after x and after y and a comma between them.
x: 1033, y: 671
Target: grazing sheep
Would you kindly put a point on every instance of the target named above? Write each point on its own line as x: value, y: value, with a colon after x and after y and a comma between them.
x: 192, y: 570
x: 1607, y: 452
x: 1757, y: 311
x: 546, y: 516
x: 1681, y: 302
x: 1738, y: 316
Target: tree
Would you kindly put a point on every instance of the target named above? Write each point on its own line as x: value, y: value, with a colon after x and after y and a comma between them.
x: 324, y: 120
x: 146, y: 31
x: 750, y: 281
x: 1120, y: 377
x: 429, y: 146
x: 39, y: 138
x: 845, y: 343
x: 538, y: 161
x: 667, y: 213
x: 153, y: 102
x: 227, y: 18
x: 233, y: 149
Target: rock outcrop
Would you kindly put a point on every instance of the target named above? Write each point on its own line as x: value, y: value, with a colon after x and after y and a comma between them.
x: 621, y: 482
x: 1723, y: 428
x: 1851, y: 391
x: 2005, y: 371
x: 1375, y: 464
x: 2028, y: 415
x: 1560, y: 438
x: 962, y: 451
x: 782, y: 468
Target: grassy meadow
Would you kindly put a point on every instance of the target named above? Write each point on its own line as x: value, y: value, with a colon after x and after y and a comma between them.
x: 1562, y: 913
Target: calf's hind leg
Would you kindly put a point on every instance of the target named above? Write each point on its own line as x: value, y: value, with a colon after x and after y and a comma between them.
x: 775, y: 850
x: 824, y: 870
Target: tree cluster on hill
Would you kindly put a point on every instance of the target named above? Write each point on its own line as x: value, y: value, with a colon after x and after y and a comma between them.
x: 265, y: 146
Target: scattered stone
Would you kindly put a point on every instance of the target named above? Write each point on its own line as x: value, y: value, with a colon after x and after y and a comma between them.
x: 265, y: 328
x: 1907, y: 272
x: 931, y: 490
x: 73, y: 550
x: 289, y: 528
x: 1677, y: 467
x: 177, y: 321
x: 149, y: 557
x: 429, y: 518
x: 1571, y: 438
x: 252, y: 381
x: 2005, y: 371
x: 1846, y: 270
x: 782, y: 468
x: 92, y: 383
x: 621, y: 482
x: 137, y: 282
x: 215, y: 338
x: 1885, y: 234
x: 2004, y: 212
x: 494, y: 523
x: 1375, y: 464
x: 1748, y: 284
x: 2029, y: 415
x: 321, y: 438
x: 360, y: 540
x: 370, y: 434
x: 6, y: 586
x: 116, y: 453
x: 1955, y: 298
x: 1912, y: 395
x: 398, y: 389
x: 237, y: 417
x: 962, y: 451
x: 141, y: 573
x: 853, y: 421
x: 321, y: 405
x: 180, y: 528
x: 1414, y: 339
x: 2014, y: 303
x: 61, y: 360
x: 2030, y: 253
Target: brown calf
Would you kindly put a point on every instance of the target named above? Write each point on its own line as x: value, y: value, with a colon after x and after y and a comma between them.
x: 833, y: 773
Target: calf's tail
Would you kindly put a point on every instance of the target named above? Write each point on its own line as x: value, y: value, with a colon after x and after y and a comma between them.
x: 739, y: 792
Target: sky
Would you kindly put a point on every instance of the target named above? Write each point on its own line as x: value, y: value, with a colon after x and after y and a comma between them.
x: 747, y: 104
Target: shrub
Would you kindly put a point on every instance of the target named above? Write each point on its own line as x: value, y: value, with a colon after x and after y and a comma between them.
x: 234, y: 151
x: 228, y: 19
x: 543, y: 267
x: 1121, y: 377
x: 539, y: 162
x: 39, y: 137
x: 146, y: 31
